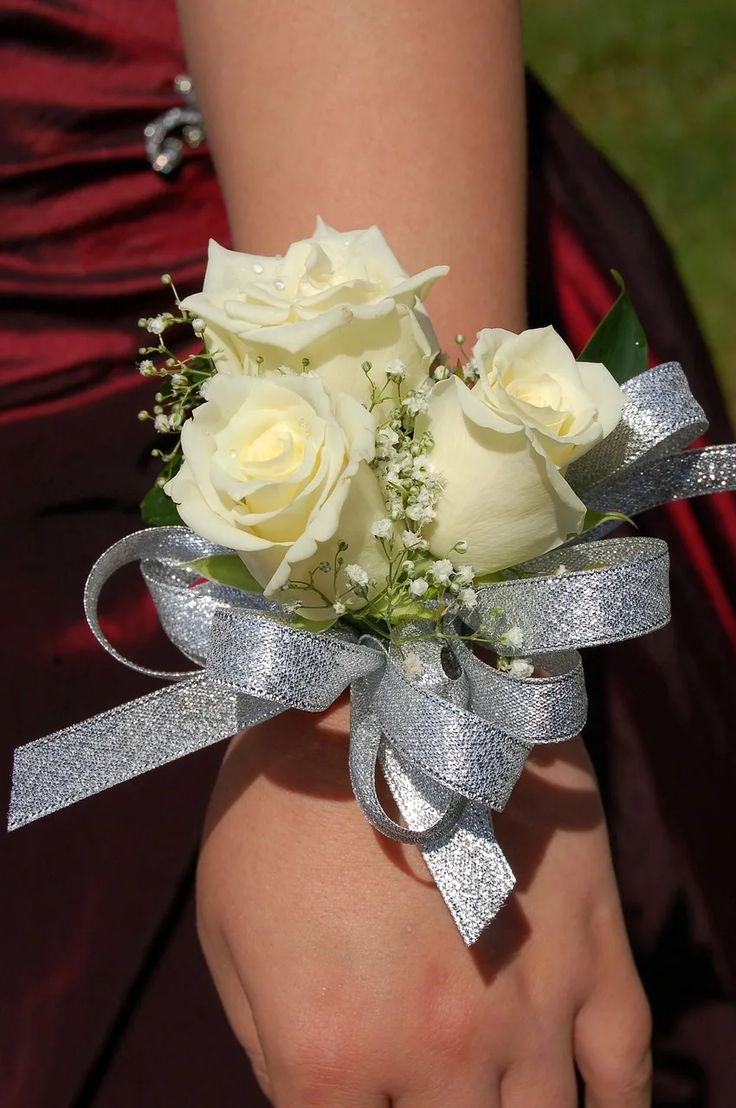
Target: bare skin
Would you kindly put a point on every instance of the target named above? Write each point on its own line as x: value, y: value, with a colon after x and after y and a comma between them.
x: 409, y: 115
x: 335, y: 958
x: 340, y: 969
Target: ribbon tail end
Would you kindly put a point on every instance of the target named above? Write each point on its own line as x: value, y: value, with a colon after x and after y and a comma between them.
x: 471, y: 872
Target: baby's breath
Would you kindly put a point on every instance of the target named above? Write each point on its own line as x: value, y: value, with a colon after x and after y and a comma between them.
x: 180, y: 379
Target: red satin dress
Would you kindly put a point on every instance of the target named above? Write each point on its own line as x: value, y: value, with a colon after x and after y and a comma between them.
x: 105, y: 997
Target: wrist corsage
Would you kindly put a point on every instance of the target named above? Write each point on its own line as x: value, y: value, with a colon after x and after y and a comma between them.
x: 341, y: 506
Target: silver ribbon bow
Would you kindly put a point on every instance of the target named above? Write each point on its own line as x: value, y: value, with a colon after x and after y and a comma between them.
x: 451, y: 742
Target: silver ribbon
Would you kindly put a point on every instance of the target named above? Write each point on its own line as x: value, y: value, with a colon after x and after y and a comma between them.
x: 452, y: 742
x: 643, y: 462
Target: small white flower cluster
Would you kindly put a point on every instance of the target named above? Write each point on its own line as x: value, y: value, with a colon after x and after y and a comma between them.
x: 157, y: 324
x: 358, y: 578
x: 409, y: 483
x: 412, y: 665
x: 517, y: 667
x: 396, y: 370
x: 469, y: 371
x: 382, y: 528
x: 182, y: 380
x: 513, y: 637
x: 416, y: 400
x: 411, y: 488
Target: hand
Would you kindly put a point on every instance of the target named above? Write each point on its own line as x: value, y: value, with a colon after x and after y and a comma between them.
x: 341, y: 971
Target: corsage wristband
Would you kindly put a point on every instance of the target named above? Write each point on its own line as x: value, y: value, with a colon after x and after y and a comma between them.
x: 323, y: 488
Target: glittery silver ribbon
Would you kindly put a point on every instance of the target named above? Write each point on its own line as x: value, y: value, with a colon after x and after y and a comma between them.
x: 643, y: 463
x: 452, y: 741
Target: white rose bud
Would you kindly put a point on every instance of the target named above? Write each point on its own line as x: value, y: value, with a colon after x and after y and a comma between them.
x: 277, y: 472
x: 501, y: 492
x: 532, y: 379
x: 338, y: 298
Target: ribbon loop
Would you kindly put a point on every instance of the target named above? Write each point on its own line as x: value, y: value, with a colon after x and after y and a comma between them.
x: 643, y: 462
x: 698, y: 472
x: 185, y: 619
x: 541, y: 709
x: 367, y: 752
x: 608, y: 591
x: 661, y: 416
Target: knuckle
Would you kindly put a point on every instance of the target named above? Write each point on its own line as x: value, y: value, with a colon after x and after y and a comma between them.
x: 451, y: 1027
x: 630, y: 1075
x: 623, y: 1058
x: 640, y: 1020
x: 317, y: 1059
x: 633, y: 1042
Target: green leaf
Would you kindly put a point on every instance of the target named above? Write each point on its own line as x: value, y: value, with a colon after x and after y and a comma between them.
x: 159, y: 509
x: 619, y: 340
x: 226, y: 569
x: 492, y: 578
x: 399, y: 608
x: 312, y: 624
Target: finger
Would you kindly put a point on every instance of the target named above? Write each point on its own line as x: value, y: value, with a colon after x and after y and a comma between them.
x: 612, y: 1038
x: 321, y: 1057
x: 309, y: 1087
x: 234, y: 1001
x: 535, y: 1083
x: 469, y: 1094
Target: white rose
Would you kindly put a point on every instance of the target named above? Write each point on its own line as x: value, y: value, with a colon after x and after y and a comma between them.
x: 278, y: 472
x: 338, y: 298
x: 534, y: 380
x: 501, y: 492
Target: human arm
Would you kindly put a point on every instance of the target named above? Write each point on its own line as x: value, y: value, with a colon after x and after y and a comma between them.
x: 408, y: 115
x: 329, y: 955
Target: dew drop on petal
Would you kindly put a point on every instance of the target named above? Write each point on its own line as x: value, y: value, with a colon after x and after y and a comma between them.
x: 279, y: 285
x: 257, y: 267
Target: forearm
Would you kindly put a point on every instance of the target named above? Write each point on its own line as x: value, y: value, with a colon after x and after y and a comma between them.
x: 408, y: 115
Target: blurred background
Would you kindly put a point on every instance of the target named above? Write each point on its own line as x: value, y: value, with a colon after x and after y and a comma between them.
x: 653, y: 85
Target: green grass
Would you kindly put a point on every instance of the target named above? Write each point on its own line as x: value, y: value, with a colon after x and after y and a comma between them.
x: 654, y: 86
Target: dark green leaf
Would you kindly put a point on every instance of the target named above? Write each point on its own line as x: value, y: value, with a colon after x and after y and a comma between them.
x: 159, y: 509
x: 227, y: 569
x: 619, y: 340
